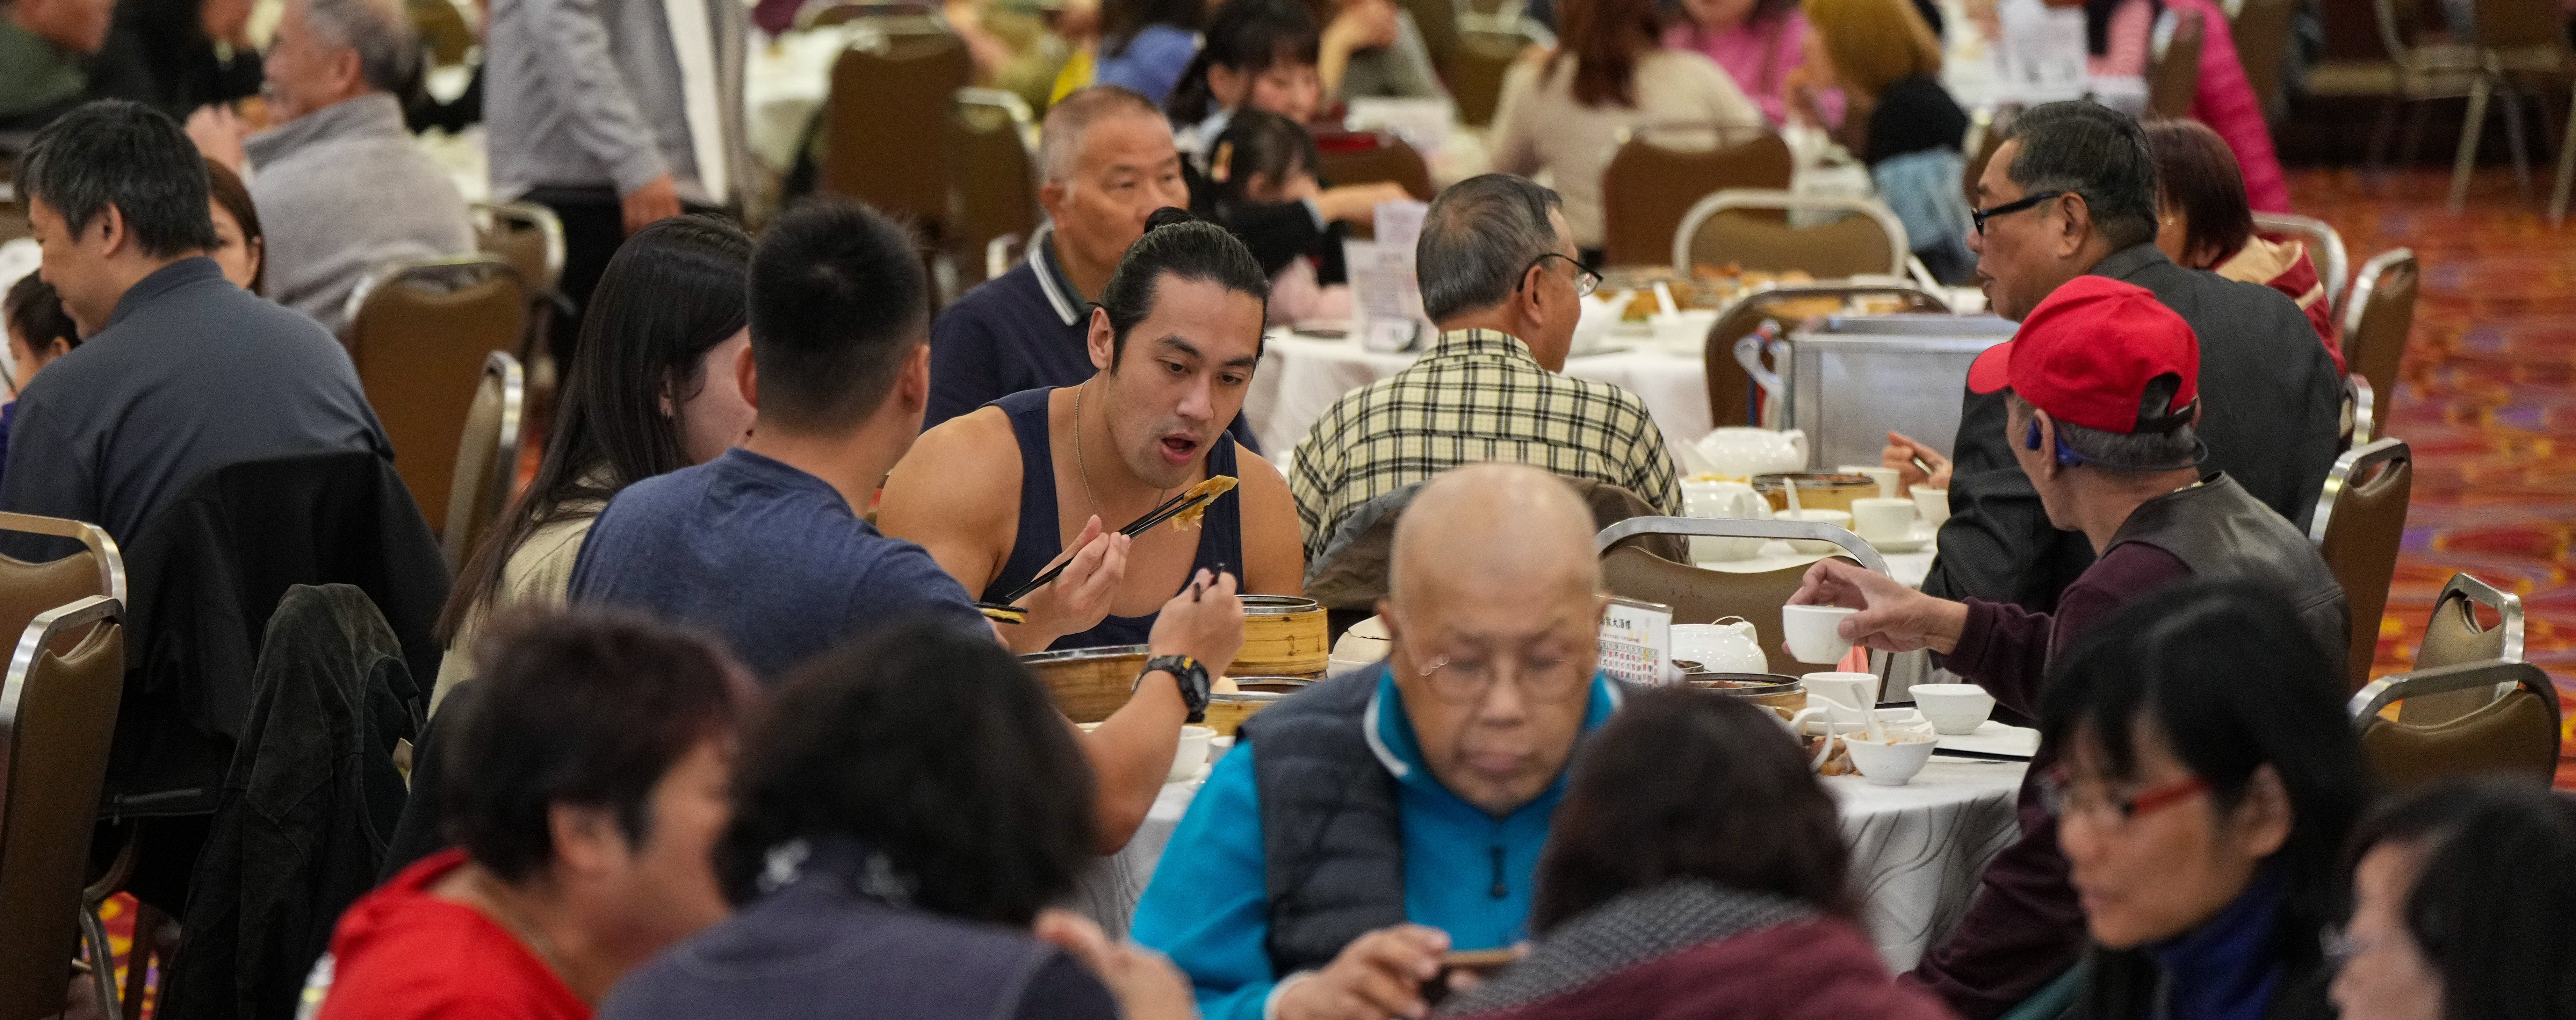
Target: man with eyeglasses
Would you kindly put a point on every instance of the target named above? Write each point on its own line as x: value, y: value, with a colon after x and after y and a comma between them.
x: 1500, y: 278
x: 1386, y: 816
x: 2103, y: 393
x: 2072, y: 192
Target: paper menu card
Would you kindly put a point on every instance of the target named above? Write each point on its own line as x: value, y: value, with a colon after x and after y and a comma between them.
x: 1637, y: 642
x: 2043, y: 53
x: 1386, y: 296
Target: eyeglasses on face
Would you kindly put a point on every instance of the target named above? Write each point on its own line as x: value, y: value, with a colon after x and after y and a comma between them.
x: 2064, y: 798
x: 1466, y: 680
x: 1585, y: 280
x: 2008, y: 208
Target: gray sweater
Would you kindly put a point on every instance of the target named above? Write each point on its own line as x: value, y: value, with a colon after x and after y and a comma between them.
x: 341, y: 191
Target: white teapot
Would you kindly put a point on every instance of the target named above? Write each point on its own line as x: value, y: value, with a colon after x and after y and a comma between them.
x: 1727, y: 646
x: 1724, y: 501
x: 1740, y: 452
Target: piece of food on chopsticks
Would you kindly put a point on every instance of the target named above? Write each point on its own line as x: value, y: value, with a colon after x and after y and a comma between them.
x: 1002, y: 613
x: 1196, y: 501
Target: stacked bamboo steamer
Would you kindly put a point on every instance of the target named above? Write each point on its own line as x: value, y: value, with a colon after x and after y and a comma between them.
x: 1284, y: 647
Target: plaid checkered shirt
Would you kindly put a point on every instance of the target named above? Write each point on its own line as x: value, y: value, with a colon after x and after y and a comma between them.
x: 1478, y: 395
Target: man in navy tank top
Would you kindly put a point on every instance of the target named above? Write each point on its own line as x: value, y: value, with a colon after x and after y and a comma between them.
x: 997, y: 496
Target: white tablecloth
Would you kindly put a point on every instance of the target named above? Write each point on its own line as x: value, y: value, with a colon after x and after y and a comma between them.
x: 1917, y: 849
x: 1301, y: 376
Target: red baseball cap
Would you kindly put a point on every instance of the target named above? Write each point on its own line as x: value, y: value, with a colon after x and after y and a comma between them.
x: 2087, y: 353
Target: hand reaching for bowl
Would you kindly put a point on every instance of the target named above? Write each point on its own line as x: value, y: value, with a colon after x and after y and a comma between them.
x: 1901, y: 453
x: 1892, y: 617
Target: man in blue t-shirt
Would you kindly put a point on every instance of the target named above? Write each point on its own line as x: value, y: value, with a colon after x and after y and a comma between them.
x: 765, y: 546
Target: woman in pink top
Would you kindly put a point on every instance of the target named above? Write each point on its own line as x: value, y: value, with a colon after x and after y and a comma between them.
x: 1758, y: 42
x: 2225, y: 100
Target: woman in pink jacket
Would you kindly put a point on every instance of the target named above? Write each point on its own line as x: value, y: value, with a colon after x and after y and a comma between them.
x: 2119, y: 32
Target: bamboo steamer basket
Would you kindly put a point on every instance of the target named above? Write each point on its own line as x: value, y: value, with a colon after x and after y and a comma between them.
x: 1283, y: 635
x: 1817, y: 490
x: 1228, y: 710
x: 1089, y: 683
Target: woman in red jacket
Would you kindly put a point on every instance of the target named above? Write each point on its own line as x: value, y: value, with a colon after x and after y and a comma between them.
x: 2204, y: 223
x: 1696, y: 869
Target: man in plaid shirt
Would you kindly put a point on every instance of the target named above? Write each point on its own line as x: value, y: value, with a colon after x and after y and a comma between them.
x: 1500, y: 277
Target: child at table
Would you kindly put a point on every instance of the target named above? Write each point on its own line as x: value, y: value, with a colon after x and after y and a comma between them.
x: 1261, y: 177
x: 39, y: 331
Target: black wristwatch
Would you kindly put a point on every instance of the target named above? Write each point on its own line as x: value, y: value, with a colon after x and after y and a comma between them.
x: 1191, y: 677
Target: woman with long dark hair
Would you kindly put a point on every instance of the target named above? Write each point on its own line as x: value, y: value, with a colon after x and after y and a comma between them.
x: 2210, y: 784
x: 654, y: 388
x: 2464, y: 907
x: 1696, y: 869
x: 1609, y: 76
x: 901, y: 823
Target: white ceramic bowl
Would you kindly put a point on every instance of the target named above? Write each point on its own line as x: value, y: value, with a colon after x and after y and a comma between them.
x: 1192, y: 755
x: 1837, y: 518
x: 1887, y: 764
x: 1955, y: 709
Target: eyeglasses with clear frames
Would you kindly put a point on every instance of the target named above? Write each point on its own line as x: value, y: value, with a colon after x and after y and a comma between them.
x: 1544, y: 679
x: 1585, y: 280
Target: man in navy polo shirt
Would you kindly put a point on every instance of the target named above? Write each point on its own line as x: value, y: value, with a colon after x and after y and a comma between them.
x: 1109, y: 163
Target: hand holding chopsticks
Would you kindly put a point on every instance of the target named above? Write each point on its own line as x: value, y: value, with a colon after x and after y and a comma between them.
x: 1092, y: 568
x: 1197, y: 496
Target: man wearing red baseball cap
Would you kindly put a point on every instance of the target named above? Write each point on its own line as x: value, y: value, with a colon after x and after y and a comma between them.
x: 2103, y: 400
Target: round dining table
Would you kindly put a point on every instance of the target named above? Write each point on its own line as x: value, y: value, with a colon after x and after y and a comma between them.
x: 1917, y: 849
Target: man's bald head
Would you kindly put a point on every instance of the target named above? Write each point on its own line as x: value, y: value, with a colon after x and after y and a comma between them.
x: 1495, y: 527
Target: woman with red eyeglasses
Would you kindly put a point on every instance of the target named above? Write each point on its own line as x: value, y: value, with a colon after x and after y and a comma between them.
x: 2208, y: 787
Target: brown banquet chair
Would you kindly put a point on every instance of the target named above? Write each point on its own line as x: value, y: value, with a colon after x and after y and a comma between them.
x: 1486, y: 48
x: 2378, y: 313
x: 2174, y: 80
x: 487, y: 457
x: 990, y: 137
x: 2358, y: 524
x: 57, y: 720
x: 2454, y: 635
x: 2513, y: 729
x: 1364, y: 157
x: 882, y: 121
x: 1647, y: 189
x: 420, y: 332
x: 1743, y: 227
x: 1699, y: 595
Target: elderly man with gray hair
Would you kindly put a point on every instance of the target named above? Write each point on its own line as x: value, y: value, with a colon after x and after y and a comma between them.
x: 1109, y: 162
x: 1500, y: 277
x: 339, y: 186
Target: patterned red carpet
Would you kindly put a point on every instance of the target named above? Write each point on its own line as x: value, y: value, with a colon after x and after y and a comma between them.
x: 2487, y: 395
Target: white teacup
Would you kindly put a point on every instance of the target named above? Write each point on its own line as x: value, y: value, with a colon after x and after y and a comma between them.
x: 1837, y: 518
x: 1192, y: 754
x: 1810, y: 633
x: 1933, y: 504
x: 1722, y: 500
x: 1883, y: 520
x: 1955, y: 709
x: 1885, y: 477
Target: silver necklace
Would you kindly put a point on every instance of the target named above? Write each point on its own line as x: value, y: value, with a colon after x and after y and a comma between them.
x: 1083, y: 465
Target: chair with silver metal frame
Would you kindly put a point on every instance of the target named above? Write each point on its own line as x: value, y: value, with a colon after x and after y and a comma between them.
x: 487, y: 457
x: 992, y: 144
x: 2359, y: 521
x: 57, y: 721
x: 2512, y: 729
x: 2360, y: 411
x: 419, y: 332
x: 1734, y: 227
x: 1699, y: 595
x: 2454, y: 635
x: 2378, y: 313
x: 27, y: 589
x: 2325, y: 248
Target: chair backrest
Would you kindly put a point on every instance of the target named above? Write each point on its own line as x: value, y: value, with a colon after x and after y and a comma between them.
x: 1730, y: 397
x: 1487, y: 46
x: 419, y: 333
x: 1367, y: 157
x: 526, y: 235
x: 1437, y: 20
x: 2175, y: 78
x: 2262, y: 33
x: 989, y: 134
x: 2514, y: 730
x: 1742, y: 228
x: 2453, y: 636
x: 57, y: 721
x: 2358, y: 523
x: 28, y: 589
x: 1701, y: 596
x: 1351, y: 574
x: 900, y: 86
x: 2521, y: 25
x: 2361, y: 410
x: 2377, y: 317
x: 487, y: 457
x: 1647, y: 189
x: 2325, y: 246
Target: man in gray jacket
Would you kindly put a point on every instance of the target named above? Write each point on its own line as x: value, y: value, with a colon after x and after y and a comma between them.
x: 613, y: 113
x: 340, y: 188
